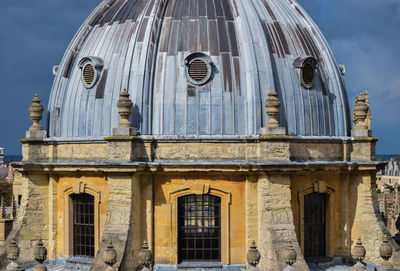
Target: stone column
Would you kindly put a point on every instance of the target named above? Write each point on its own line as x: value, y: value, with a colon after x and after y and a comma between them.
x: 276, y: 227
x: 367, y: 221
x: 121, y: 222
x: 251, y: 210
x: 53, y: 216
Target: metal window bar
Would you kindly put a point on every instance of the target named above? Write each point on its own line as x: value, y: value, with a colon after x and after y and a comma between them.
x: 83, y: 225
x: 199, y: 236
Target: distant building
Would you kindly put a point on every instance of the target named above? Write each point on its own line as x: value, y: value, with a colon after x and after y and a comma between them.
x: 1, y: 157
x: 3, y: 174
x: 390, y: 175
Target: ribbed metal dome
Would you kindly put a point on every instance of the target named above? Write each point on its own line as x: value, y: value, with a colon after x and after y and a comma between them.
x: 248, y: 47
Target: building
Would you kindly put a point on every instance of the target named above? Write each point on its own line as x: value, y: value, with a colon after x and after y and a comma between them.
x: 1, y: 157
x: 390, y: 175
x: 235, y: 126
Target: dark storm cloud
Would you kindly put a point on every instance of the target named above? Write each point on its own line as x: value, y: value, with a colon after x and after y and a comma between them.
x: 33, y: 38
x: 364, y: 35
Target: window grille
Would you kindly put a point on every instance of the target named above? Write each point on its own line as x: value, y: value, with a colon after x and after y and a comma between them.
x: 83, y: 225
x: 199, y: 236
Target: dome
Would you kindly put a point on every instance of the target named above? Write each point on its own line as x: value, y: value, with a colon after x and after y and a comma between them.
x: 198, y: 67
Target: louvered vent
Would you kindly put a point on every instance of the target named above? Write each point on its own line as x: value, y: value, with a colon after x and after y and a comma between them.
x: 88, y: 74
x: 308, y: 74
x: 198, y: 70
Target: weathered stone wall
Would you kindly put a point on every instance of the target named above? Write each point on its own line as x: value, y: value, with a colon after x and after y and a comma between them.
x: 316, y: 151
x: 367, y: 223
x: 276, y: 227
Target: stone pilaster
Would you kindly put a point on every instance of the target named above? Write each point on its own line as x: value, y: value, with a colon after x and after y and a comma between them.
x: 275, y: 218
x: 251, y: 210
x: 368, y: 223
x: 53, y: 217
x: 120, y: 220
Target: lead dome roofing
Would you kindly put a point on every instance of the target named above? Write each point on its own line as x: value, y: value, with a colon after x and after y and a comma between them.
x: 252, y: 43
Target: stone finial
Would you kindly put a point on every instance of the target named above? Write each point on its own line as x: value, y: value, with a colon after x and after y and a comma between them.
x: 253, y: 255
x: 36, y: 111
x: 385, y: 252
x: 369, y: 114
x: 145, y: 257
x: 358, y: 252
x: 360, y: 113
x: 290, y: 255
x: 110, y: 256
x: 272, y: 106
x: 12, y: 253
x: 13, y: 211
x: 124, y: 109
x: 40, y: 255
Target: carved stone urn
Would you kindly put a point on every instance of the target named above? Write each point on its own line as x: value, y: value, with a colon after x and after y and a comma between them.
x: 358, y: 252
x: 385, y: 251
x: 40, y: 255
x: 110, y: 255
x: 124, y: 105
x: 145, y: 256
x: 253, y: 255
x: 360, y: 112
x: 36, y: 111
x: 12, y: 253
x: 272, y: 106
x: 290, y: 255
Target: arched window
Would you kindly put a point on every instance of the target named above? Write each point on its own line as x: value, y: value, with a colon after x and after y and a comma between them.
x: 83, y: 225
x: 199, y: 222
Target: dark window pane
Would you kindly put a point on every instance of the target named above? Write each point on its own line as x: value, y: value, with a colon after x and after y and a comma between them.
x: 83, y: 225
x: 199, y: 230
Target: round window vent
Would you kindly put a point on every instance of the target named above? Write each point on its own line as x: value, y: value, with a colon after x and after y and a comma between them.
x: 88, y: 73
x: 306, y: 70
x: 198, y: 68
x: 308, y: 74
x: 91, y: 68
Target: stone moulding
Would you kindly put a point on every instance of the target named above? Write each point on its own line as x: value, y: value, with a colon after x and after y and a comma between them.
x: 199, y: 188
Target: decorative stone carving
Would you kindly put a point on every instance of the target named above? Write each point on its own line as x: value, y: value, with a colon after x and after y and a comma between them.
x: 272, y: 106
x: 40, y: 255
x: 124, y: 105
x: 253, y: 256
x: 36, y: 111
x: 358, y: 252
x: 369, y: 114
x: 385, y: 252
x: 12, y: 253
x: 124, y: 109
x: 360, y: 113
x: 290, y: 255
x: 110, y: 256
x: 145, y: 257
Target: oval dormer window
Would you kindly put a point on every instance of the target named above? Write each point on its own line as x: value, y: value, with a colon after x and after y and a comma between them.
x: 306, y: 70
x: 199, y: 68
x: 91, y: 68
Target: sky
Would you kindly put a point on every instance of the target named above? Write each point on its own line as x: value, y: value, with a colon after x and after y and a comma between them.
x: 364, y: 36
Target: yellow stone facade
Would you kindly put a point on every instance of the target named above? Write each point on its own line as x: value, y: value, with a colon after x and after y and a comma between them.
x: 261, y: 184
